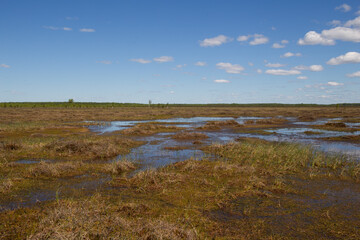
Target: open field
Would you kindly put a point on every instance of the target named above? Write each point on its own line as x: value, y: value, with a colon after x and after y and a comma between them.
x: 225, y: 177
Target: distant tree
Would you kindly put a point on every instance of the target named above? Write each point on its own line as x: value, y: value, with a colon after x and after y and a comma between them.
x: 70, y: 100
x: 150, y: 103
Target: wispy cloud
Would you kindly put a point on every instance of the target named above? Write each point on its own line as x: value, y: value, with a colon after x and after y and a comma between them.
x: 140, y: 60
x: 290, y: 54
x: 349, y: 57
x: 164, y: 59
x: 221, y: 81
x: 230, y: 68
x: 274, y: 65
x: 313, y: 68
x: 256, y: 39
x: 282, y: 72
x: 87, y: 30
x: 4, y: 66
x: 281, y: 44
x: 335, y: 84
x: 355, y: 74
x: 344, y: 8
x: 57, y: 28
x: 200, y: 64
x: 104, y: 62
x: 215, y: 41
x: 302, y: 77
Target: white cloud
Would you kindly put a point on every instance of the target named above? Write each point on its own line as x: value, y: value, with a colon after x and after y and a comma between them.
x: 281, y: 44
x: 57, y: 28
x: 282, y: 72
x: 355, y: 74
x: 171, y: 92
x: 221, y: 81
x: 163, y: 59
x: 335, y: 84
x: 274, y: 65
x: 349, y: 57
x: 277, y: 45
x: 140, y: 60
x: 4, y: 66
x: 353, y: 23
x: 215, y: 41
x: 302, y: 77
x: 290, y: 54
x: 358, y: 12
x: 335, y: 23
x: 259, y: 71
x: 89, y: 30
x: 343, y: 8
x: 230, y: 68
x: 104, y: 62
x: 314, y: 38
x: 343, y: 34
x: 313, y: 68
x: 251, y: 64
x: 316, y: 68
x: 243, y: 38
x: 200, y: 64
x: 259, y: 39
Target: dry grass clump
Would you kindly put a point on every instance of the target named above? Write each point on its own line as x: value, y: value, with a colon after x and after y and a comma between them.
x: 351, y: 138
x: 119, y: 167
x: 335, y: 124
x: 10, y: 146
x: 312, y: 133
x: 148, y: 129
x: 96, y: 218
x: 6, y: 185
x: 215, y: 125
x: 189, y: 136
x: 267, y: 121
x: 176, y: 148
x: 95, y: 147
x: 60, y: 169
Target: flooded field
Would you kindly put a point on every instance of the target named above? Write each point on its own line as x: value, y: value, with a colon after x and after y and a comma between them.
x: 284, y: 167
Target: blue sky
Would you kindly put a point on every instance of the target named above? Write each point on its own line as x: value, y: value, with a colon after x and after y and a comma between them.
x: 180, y: 51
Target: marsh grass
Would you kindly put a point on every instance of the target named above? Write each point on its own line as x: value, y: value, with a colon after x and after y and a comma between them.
x: 54, y: 170
x: 189, y: 136
x: 149, y: 129
x: 216, y: 125
x: 119, y: 167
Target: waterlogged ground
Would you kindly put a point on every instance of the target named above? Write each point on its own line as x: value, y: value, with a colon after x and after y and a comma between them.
x: 189, y: 178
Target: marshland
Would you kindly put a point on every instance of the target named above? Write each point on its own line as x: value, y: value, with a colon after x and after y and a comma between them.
x: 179, y: 172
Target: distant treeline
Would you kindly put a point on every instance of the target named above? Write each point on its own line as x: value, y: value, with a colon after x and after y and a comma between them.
x: 154, y: 105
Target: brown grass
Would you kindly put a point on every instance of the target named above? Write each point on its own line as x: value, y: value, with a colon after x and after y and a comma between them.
x: 148, y: 129
x: 119, y: 167
x: 215, y: 125
x: 267, y: 121
x: 61, y: 169
x: 189, y: 136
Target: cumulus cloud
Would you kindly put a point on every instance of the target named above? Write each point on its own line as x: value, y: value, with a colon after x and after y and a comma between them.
x: 230, y: 68
x: 313, y: 68
x: 314, y: 38
x: 281, y: 44
x: 335, y: 84
x: 221, y: 81
x: 290, y: 54
x: 282, y: 72
x: 274, y: 65
x: 243, y: 38
x: 88, y: 30
x: 353, y: 23
x: 4, y: 66
x: 302, y: 77
x: 355, y: 74
x: 200, y: 64
x: 349, y: 57
x: 349, y: 32
x: 259, y: 71
x: 344, y: 8
x: 163, y: 59
x: 335, y: 23
x: 104, y: 62
x: 257, y: 39
x: 215, y: 41
x: 140, y: 60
